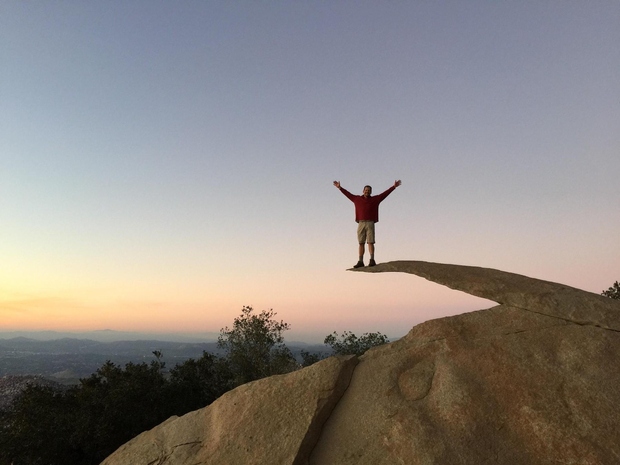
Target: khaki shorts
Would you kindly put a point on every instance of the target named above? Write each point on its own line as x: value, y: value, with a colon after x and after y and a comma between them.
x: 366, y: 232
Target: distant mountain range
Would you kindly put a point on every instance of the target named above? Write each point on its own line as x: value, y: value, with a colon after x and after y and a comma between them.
x: 67, y: 359
x: 71, y: 359
x: 109, y: 335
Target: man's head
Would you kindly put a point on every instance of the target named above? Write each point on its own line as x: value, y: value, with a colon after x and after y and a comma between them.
x: 367, y: 191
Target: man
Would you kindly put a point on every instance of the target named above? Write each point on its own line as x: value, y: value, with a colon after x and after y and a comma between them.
x: 366, y: 215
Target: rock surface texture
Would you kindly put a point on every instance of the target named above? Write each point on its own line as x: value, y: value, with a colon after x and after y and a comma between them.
x: 534, y: 380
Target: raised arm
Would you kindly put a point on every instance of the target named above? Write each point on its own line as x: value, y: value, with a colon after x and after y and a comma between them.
x: 347, y: 194
x: 390, y: 189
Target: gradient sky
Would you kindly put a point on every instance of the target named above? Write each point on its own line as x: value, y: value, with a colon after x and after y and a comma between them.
x: 163, y: 163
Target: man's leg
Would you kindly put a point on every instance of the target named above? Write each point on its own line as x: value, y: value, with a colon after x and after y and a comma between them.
x: 371, y: 244
x: 360, y: 260
x: 361, y: 238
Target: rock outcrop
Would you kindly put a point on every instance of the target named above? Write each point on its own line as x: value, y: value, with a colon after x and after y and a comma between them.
x: 534, y: 380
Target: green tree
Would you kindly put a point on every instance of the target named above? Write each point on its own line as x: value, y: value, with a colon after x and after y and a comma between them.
x: 350, y: 344
x: 254, y: 346
x: 309, y: 358
x: 88, y: 422
x: 613, y: 292
x: 39, y: 428
x: 116, y: 404
x: 196, y: 383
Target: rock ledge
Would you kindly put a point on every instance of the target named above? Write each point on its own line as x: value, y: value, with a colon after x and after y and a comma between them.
x: 533, y: 380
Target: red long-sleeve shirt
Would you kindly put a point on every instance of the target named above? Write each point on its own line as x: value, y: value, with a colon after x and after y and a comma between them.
x: 367, y: 208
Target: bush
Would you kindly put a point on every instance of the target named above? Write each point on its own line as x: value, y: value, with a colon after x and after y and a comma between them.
x: 88, y: 422
x: 350, y: 344
x: 613, y: 292
x: 255, y: 348
x: 196, y: 383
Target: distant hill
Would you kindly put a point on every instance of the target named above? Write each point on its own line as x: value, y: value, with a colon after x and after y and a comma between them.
x: 68, y: 359
x: 82, y: 357
x: 109, y: 335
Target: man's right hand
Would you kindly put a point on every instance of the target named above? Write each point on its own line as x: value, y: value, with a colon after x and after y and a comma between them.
x: 337, y: 184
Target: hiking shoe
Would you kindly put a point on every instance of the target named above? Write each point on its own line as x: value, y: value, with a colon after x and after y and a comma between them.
x: 359, y: 264
x: 372, y: 262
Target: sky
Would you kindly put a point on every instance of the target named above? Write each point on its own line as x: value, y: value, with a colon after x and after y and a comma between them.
x: 163, y: 164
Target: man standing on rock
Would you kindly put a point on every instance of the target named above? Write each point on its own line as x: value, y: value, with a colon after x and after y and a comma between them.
x: 366, y: 215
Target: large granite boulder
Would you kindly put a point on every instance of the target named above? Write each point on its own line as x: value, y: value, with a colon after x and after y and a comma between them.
x: 534, y: 380
x: 274, y: 420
